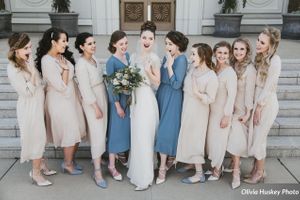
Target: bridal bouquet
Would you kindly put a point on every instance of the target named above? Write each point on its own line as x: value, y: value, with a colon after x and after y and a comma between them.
x: 125, y: 80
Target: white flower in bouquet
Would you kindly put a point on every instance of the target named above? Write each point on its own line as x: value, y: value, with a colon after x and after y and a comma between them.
x: 126, y: 76
x: 119, y: 75
x: 125, y: 82
x: 115, y: 81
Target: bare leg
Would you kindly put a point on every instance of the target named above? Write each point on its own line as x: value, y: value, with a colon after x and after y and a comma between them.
x: 112, y: 167
x: 162, y: 169
x: 236, y: 182
x: 36, y: 173
x: 97, y: 168
x: 68, y: 158
x: 258, y: 174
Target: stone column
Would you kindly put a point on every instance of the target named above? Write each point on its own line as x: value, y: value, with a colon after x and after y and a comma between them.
x: 189, y: 16
x: 105, y: 16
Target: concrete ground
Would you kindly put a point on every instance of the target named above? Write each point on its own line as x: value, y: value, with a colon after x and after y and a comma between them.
x: 15, y: 184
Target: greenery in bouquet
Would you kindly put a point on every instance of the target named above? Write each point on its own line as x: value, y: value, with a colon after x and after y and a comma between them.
x: 125, y: 80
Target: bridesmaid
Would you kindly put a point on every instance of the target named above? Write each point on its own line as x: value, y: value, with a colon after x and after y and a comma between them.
x: 119, y: 121
x: 268, y: 65
x: 65, y: 116
x: 221, y: 110
x: 200, y: 88
x: 25, y: 79
x: 246, y: 74
x: 90, y: 80
x: 169, y: 98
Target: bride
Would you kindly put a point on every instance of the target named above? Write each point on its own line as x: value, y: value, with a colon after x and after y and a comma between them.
x: 144, y: 111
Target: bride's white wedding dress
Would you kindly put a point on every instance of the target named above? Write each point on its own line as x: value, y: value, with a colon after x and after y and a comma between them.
x: 144, y: 122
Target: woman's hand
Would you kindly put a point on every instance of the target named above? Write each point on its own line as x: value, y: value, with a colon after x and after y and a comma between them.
x: 170, y: 59
x: 63, y: 62
x: 244, y: 119
x: 120, y: 110
x: 98, y: 112
x: 257, y: 115
x: 225, y: 121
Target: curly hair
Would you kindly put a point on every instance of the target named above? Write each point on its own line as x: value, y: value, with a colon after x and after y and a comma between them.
x: 45, y: 46
x: 205, y: 54
x: 17, y: 41
x: 80, y: 40
x: 114, y: 38
x: 148, y: 26
x: 179, y: 39
x: 262, y: 61
x: 240, y: 67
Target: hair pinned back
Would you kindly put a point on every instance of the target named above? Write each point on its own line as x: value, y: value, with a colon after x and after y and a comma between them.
x: 148, y: 26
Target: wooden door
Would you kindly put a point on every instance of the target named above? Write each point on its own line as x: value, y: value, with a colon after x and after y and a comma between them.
x: 136, y: 12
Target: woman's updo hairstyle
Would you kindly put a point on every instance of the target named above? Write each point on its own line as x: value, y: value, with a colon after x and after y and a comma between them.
x: 179, y: 39
x: 148, y: 26
x: 115, y: 37
x: 80, y: 40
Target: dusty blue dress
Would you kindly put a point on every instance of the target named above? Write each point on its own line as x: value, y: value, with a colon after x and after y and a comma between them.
x: 118, y: 128
x: 169, y: 97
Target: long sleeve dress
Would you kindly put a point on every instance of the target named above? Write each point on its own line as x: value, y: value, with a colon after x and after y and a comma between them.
x: 65, y: 119
x: 238, y: 135
x: 265, y: 95
x: 169, y: 98
x: 118, y: 128
x: 30, y: 113
x: 217, y: 137
x: 195, y: 115
x: 92, y: 89
x: 144, y: 123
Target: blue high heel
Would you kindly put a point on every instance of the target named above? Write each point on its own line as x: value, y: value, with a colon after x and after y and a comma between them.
x: 189, y: 181
x: 100, y: 183
x: 77, y: 166
x: 73, y: 172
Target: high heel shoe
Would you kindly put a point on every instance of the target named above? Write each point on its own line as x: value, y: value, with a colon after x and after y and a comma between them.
x: 139, y: 188
x: 191, y: 180
x: 161, y: 176
x: 115, y: 174
x: 43, y: 183
x: 45, y: 170
x: 216, y: 175
x: 256, y: 178
x: 73, y: 172
x: 77, y: 166
x: 236, y: 181
x: 101, y: 183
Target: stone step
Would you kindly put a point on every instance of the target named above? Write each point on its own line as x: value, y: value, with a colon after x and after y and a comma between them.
x: 288, y: 108
x: 290, y: 64
x: 291, y: 77
x: 288, y: 92
x: 286, y: 126
x: 8, y: 109
x: 276, y: 147
x: 9, y: 128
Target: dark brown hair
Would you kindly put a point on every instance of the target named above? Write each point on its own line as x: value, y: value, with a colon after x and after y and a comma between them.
x: 80, y: 40
x: 45, y: 44
x: 148, y: 26
x: 178, y: 39
x: 115, y: 37
x: 205, y: 53
x: 17, y: 41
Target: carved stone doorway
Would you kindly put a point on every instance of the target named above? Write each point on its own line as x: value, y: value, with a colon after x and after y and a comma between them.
x: 134, y: 12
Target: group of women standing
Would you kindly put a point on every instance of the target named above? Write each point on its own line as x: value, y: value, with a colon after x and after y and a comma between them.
x: 180, y: 112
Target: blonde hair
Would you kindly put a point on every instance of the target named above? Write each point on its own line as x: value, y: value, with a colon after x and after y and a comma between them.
x: 15, y: 42
x: 240, y: 67
x: 262, y: 62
